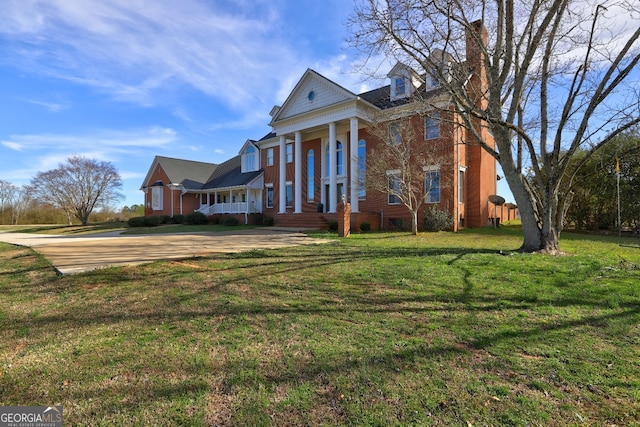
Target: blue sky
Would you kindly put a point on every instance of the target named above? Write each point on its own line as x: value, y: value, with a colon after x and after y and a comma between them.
x: 125, y: 80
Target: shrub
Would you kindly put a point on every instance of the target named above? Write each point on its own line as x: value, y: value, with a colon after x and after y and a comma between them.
x: 136, y: 221
x: 214, y: 219
x: 230, y: 221
x: 397, y: 224
x: 437, y: 219
x: 268, y: 221
x: 365, y: 226
x: 165, y: 219
x: 152, y: 221
x: 333, y: 225
x: 195, y: 218
x: 177, y: 219
x: 144, y: 221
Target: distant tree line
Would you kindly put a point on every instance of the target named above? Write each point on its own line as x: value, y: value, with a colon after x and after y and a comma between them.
x: 594, y: 189
x: 76, y: 191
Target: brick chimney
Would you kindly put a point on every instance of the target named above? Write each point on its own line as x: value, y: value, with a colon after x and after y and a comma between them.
x: 476, y: 42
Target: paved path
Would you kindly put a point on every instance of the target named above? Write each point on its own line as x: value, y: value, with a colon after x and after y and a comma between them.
x: 72, y: 254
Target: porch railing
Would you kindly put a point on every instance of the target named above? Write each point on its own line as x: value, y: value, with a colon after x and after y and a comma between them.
x: 228, y: 208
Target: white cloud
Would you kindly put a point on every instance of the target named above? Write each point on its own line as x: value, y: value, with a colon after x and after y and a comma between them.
x: 105, y: 139
x: 13, y: 145
x: 51, y: 106
x: 132, y: 48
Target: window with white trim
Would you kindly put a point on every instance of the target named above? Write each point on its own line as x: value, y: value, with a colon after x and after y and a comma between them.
x: 249, y: 159
x: 400, y: 86
x: 362, y: 169
x: 289, y: 194
x: 311, y: 189
x: 156, y: 198
x: 432, y: 126
x: 395, y: 134
x: 432, y: 185
x: 461, y: 186
x: 394, y: 188
x: 269, y: 156
x: 269, y: 188
x: 289, y: 151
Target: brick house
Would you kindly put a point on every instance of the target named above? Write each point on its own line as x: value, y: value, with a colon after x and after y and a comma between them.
x: 315, y: 157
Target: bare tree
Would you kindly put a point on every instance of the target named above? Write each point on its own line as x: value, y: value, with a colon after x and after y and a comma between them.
x: 77, y: 186
x: 7, y: 194
x: 404, y: 166
x: 550, y: 78
x: 20, y: 203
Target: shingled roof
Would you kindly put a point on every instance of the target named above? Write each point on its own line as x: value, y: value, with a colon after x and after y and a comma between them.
x: 194, y: 175
x: 180, y: 171
x: 229, y: 174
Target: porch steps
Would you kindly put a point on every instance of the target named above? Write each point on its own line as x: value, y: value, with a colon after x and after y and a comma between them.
x: 318, y: 221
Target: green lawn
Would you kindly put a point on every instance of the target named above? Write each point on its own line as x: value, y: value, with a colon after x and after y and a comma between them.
x: 104, y: 227
x: 377, y: 329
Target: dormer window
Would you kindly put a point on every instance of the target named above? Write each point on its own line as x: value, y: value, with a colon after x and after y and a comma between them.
x: 400, y: 87
x: 250, y: 159
x: 434, y: 75
x: 403, y: 81
x: 439, y: 71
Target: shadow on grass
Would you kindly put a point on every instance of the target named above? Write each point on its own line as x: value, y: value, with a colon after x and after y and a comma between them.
x: 211, y: 289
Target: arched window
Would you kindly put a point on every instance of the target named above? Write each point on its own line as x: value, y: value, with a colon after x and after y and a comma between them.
x: 362, y: 169
x: 310, y: 176
x: 250, y: 159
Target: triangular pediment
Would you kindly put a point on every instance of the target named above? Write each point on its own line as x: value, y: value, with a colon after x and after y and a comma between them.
x: 312, y: 92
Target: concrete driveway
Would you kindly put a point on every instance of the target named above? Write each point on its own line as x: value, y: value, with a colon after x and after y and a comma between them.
x: 76, y: 254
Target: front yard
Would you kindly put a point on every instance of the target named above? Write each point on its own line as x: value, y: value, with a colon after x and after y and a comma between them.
x: 378, y: 329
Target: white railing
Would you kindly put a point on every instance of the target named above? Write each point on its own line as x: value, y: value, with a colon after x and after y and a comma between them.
x: 227, y: 208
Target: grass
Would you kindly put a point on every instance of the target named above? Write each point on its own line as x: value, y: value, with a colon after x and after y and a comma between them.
x: 377, y: 329
x: 67, y: 230
x: 93, y: 228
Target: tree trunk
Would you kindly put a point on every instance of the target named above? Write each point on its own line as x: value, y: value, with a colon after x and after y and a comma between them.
x: 414, y: 223
x: 539, y: 229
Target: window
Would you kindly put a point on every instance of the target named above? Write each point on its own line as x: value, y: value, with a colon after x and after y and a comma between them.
x: 156, y: 198
x: 338, y: 158
x: 362, y: 169
x: 270, y: 196
x: 432, y: 186
x: 434, y: 77
x: 400, y: 87
x: 269, y: 156
x: 289, y: 194
x: 395, y: 134
x: 432, y: 126
x: 311, y: 189
x: 250, y: 159
x: 289, y: 153
x: 461, y: 186
x: 394, y: 189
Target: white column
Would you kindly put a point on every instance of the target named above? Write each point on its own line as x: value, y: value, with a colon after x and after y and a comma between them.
x: 282, y: 181
x: 297, y: 185
x: 355, y: 183
x: 333, y: 170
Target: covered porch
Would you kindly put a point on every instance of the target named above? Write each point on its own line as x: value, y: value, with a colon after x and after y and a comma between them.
x: 245, y: 200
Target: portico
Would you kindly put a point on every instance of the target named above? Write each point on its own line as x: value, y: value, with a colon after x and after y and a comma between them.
x: 318, y: 110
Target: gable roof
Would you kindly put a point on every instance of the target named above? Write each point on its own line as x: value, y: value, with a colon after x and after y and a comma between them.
x: 180, y: 170
x: 194, y: 175
x: 229, y: 174
x: 312, y: 92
